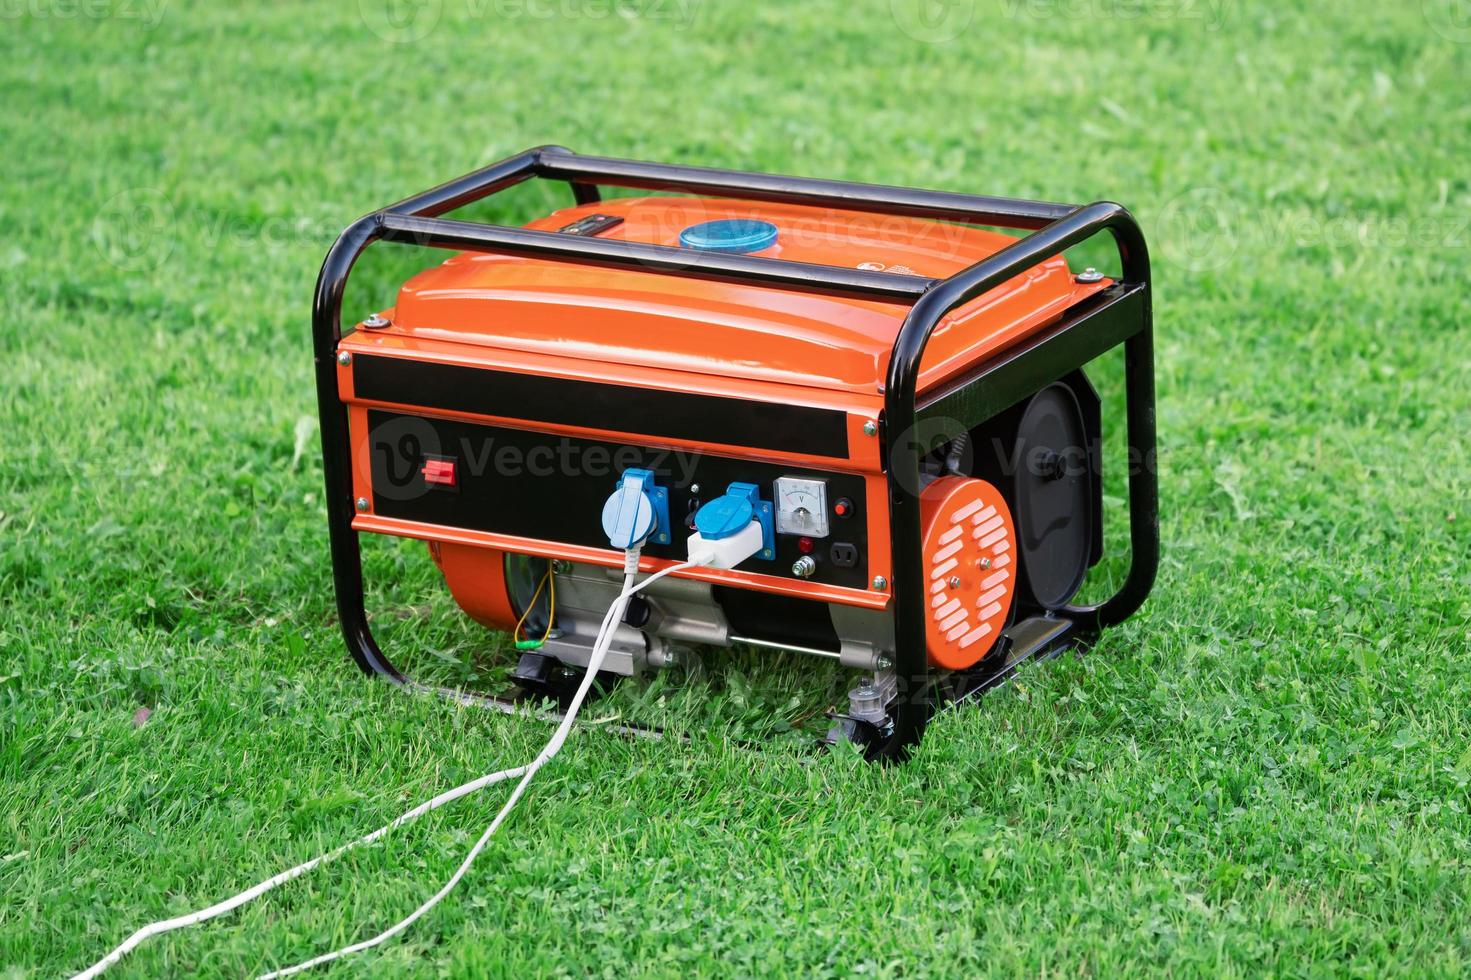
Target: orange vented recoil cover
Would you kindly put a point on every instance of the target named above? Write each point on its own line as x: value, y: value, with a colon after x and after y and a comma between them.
x: 970, y: 569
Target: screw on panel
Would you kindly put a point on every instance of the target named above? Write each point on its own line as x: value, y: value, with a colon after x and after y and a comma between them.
x: 984, y: 563
x: 1089, y: 275
x: 955, y: 581
x: 870, y: 428
x: 344, y: 358
x: 561, y: 567
x: 362, y: 503
x: 694, y: 489
x: 377, y: 322
x: 884, y: 662
x: 880, y: 583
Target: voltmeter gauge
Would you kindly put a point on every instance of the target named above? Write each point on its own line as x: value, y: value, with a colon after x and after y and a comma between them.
x: 801, y: 506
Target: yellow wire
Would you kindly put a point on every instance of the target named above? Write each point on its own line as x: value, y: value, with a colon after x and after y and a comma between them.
x: 551, y: 605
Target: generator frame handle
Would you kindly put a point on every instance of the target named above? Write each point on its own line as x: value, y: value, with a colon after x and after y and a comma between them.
x: 1056, y: 227
x: 905, y: 452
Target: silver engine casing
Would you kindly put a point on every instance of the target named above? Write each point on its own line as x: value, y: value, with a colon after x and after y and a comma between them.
x: 682, y: 613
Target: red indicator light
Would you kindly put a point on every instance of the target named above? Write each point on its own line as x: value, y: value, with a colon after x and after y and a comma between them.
x: 805, y: 545
x: 439, y: 472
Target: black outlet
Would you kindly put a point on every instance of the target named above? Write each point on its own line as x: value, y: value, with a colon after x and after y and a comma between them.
x: 844, y: 555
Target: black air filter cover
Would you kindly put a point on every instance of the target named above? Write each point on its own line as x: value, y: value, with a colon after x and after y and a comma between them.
x: 1054, y: 495
x: 1045, y: 455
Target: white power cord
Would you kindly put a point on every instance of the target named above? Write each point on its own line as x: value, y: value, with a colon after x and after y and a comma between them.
x: 600, y: 650
x: 526, y: 772
x: 250, y: 894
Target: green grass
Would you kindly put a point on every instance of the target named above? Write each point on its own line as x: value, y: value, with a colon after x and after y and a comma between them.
x: 1265, y: 771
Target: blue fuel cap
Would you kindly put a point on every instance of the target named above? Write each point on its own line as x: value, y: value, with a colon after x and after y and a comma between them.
x: 730, y: 235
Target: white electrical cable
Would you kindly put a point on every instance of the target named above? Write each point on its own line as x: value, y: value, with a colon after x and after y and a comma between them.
x: 235, y: 901
x: 600, y: 648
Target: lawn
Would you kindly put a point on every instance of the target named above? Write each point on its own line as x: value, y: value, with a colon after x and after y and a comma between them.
x: 1265, y: 771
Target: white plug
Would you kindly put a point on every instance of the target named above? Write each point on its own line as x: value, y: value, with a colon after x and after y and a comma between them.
x: 727, y: 552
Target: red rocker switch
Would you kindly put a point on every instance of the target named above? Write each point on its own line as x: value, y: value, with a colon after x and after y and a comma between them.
x: 439, y: 472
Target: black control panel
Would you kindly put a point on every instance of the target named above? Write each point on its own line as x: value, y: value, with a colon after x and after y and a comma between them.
x: 552, y: 488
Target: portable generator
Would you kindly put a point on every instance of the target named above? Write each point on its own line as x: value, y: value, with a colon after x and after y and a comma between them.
x: 872, y: 390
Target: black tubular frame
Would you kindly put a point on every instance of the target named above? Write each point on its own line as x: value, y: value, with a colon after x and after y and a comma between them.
x: 1055, y: 227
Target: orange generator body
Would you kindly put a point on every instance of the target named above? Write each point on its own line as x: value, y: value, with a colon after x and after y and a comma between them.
x: 892, y: 386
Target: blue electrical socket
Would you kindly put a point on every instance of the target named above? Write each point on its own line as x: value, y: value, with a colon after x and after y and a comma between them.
x: 660, y: 498
x: 763, y: 512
